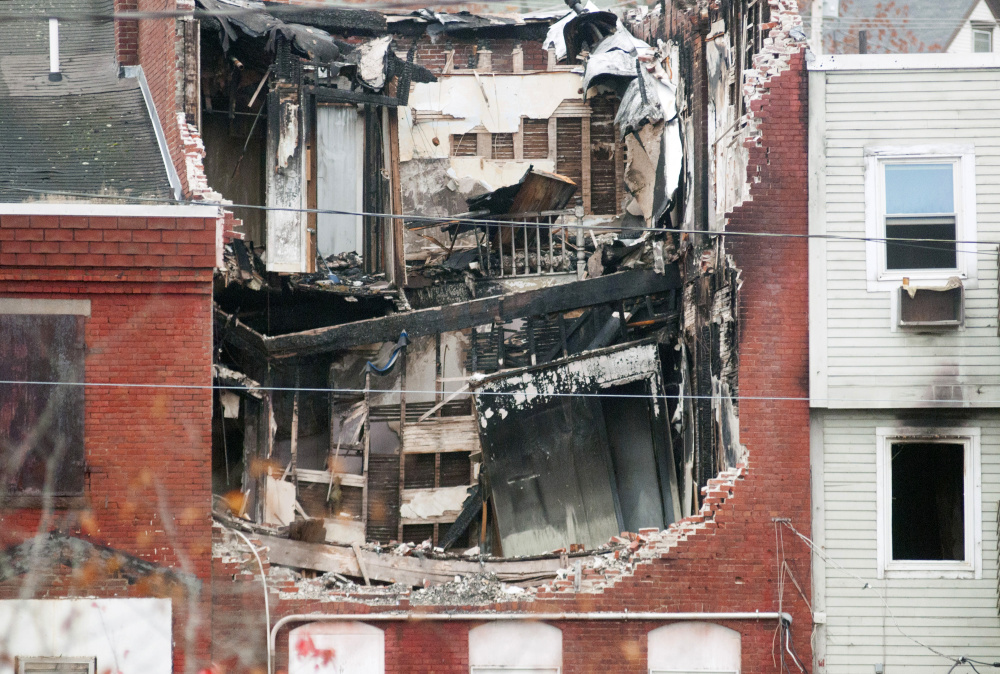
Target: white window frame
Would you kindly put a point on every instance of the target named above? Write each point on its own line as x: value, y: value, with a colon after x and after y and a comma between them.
x: 963, y: 157
x: 23, y: 660
x: 972, y: 566
x: 985, y: 30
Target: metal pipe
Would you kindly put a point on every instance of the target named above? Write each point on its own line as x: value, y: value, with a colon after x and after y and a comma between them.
x: 267, y: 607
x: 54, y: 74
x: 494, y: 617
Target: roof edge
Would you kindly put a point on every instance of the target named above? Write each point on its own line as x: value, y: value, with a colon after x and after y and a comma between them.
x: 137, y: 73
x: 97, y: 210
x: 904, y: 61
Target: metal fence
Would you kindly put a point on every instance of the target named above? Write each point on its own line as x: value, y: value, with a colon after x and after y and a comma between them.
x: 533, y: 244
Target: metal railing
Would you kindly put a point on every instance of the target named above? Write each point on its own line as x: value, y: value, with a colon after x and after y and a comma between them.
x: 533, y: 244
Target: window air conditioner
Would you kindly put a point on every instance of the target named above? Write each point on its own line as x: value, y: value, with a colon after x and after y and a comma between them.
x: 932, y: 308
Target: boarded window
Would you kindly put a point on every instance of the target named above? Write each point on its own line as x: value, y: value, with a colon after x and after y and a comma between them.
x: 605, y: 156
x: 419, y: 471
x: 455, y: 469
x: 41, y: 425
x: 569, y: 149
x: 536, y: 138
x: 464, y: 145
x: 503, y: 145
x: 928, y: 501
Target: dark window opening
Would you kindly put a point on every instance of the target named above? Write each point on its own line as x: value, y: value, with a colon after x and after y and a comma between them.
x: 455, y: 469
x: 928, y: 501
x: 418, y: 533
x: 920, y: 254
x: 419, y: 471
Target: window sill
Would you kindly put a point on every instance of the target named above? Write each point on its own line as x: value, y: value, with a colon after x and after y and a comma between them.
x: 939, y: 571
x: 22, y: 501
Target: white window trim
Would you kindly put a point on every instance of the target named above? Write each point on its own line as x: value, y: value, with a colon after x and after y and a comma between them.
x: 23, y: 660
x: 964, y: 157
x: 972, y: 567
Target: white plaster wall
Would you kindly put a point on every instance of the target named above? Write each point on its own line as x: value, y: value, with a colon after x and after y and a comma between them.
x: 127, y: 636
x: 336, y: 648
x: 495, y: 101
x: 694, y: 647
x: 518, y: 646
x: 962, y: 44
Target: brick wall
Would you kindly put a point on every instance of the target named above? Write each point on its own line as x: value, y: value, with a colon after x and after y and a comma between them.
x: 70, y: 241
x: 127, y: 35
x: 434, y: 55
x: 148, y: 449
x: 158, y: 55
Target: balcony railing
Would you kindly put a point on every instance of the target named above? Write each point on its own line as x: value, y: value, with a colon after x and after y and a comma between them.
x: 533, y: 244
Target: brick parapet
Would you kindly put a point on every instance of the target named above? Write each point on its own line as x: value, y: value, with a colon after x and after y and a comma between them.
x: 95, y: 242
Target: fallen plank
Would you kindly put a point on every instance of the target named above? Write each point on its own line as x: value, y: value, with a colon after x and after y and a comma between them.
x: 388, y: 568
x: 464, y: 315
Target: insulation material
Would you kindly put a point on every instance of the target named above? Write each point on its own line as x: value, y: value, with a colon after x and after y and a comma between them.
x: 555, y: 38
x: 279, y: 502
x: 230, y: 404
x: 371, y: 59
x: 433, y: 503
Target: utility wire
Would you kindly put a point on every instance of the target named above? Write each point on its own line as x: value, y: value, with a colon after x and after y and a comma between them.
x: 474, y: 394
x: 238, y: 12
x: 444, y: 220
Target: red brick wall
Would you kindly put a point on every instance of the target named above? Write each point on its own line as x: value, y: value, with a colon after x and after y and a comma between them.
x: 158, y: 58
x: 434, y: 55
x: 148, y: 449
x: 129, y: 242
x: 127, y: 35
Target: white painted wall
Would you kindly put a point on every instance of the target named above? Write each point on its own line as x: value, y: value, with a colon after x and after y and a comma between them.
x: 962, y: 44
x: 694, y: 647
x: 857, y: 358
x: 515, y: 647
x: 956, y: 616
x: 495, y: 102
x: 336, y: 648
x: 127, y: 636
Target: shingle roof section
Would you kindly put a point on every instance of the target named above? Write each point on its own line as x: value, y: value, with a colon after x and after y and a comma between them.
x: 90, y: 133
x: 895, y: 26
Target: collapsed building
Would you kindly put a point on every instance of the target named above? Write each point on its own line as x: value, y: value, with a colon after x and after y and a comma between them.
x: 486, y: 317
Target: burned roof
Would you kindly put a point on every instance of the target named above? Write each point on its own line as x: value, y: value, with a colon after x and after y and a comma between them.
x: 89, y: 133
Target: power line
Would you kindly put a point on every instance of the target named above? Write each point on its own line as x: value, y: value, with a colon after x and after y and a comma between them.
x: 238, y: 12
x: 474, y: 394
x: 501, y: 223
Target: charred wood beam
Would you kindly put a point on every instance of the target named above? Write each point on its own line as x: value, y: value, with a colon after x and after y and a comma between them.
x: 327, y: 95
x: 611, y: 288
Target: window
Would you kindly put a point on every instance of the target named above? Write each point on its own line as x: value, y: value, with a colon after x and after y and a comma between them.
x: 41, y: 425
x: 982, y: 39
x: 929, y: 502
x: 919, y: 195
x: 515, y: 648
x: 337, y: 647
x: 464, y: 145
x: 689, y: 647
x: 56, y: 665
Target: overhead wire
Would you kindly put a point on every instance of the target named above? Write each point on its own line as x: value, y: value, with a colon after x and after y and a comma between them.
x: 479, y: 393
x: 445, y: 220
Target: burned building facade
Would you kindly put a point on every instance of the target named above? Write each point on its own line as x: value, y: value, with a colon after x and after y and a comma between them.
x: 510, y: 336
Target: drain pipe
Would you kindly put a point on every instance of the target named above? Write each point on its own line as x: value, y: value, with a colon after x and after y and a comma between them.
x: 267, y: 608
x: 785, y: 618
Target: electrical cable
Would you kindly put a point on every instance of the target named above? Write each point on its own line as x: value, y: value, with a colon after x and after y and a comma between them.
x: 956, y: 660
x: 586, y: 226
x: 475, y: 394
